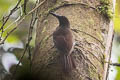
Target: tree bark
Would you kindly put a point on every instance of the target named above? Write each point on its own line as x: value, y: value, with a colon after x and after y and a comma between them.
x: 90, y: 29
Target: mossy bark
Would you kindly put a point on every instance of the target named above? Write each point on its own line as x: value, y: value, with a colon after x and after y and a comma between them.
x: 90, y: 29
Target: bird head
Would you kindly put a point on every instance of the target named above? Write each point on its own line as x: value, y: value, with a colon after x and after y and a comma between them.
x: 63, y: 21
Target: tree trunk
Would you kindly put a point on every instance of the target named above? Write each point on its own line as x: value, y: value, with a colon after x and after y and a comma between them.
x: 90, y: 29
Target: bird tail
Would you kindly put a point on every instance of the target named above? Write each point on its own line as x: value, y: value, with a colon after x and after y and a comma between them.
x: 68, y: 63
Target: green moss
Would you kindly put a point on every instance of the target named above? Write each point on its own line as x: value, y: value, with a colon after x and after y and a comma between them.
x: 92, y: 72
x: 44, y: 29
x: 104, y: 9
x: 91, y: 21
x: 100, y: 77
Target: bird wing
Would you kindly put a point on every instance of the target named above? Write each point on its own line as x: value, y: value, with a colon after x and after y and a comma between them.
x: 63, y: 43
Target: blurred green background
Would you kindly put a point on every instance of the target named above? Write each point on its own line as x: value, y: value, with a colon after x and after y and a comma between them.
x: 19, y: 34
x: 116, y: 42
x: 16, y: 41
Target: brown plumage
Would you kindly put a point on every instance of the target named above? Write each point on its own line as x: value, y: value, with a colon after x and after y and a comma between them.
x: 64, y: 42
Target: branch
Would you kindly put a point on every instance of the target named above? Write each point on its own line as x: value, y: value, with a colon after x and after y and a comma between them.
x: 115, y: 64
x: 11, y: 12
x: 27, y: 47
x: 30, y: 12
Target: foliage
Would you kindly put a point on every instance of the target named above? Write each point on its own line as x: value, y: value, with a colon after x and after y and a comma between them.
x: 104, y: 9
x: 5, y: 5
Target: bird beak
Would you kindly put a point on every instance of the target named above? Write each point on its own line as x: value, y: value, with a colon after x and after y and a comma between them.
x: 56, y: 15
